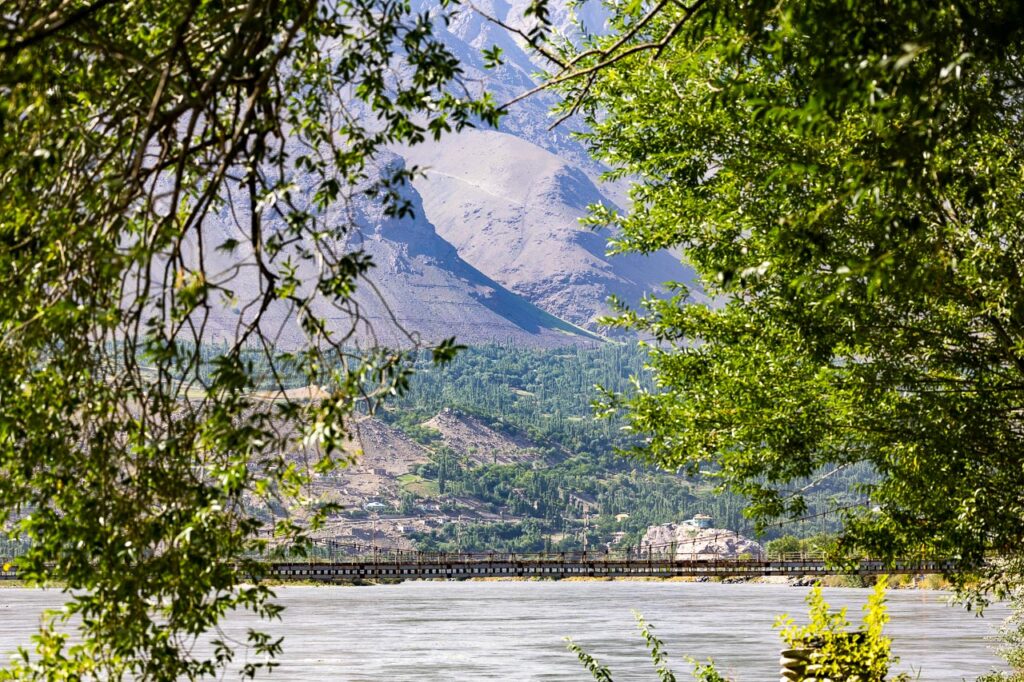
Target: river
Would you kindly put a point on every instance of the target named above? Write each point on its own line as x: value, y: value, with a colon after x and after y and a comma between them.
x: 426, y: 631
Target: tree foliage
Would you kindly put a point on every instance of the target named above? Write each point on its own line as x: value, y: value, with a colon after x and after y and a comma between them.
x: 1011, y: 643
x: 139, y: 140
x: 846, y: 178
x: 546, y: 395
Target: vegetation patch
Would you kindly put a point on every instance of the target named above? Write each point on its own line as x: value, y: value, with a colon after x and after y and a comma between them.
x: 418, y: 486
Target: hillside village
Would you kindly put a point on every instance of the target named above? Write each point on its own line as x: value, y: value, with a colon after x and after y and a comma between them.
x: 386, y: 496
x: 500, y: 450
x: 394, y: 495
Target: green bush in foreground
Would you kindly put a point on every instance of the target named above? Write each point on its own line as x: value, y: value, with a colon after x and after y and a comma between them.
x: 839, y: 654
x: 861, y: 656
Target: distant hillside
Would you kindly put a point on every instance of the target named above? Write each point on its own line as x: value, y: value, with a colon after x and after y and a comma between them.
x: 494, y: 252
x: 470, y: 436
x: 510, y: 200
x: 499, y: 451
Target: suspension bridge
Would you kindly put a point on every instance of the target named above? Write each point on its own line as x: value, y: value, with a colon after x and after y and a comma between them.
x: 329, y: 561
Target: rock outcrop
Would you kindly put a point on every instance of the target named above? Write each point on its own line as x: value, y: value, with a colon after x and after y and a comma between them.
x: 419, y: 286
x: 691, y: 542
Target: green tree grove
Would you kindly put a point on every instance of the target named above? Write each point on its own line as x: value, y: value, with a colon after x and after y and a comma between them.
x: 846, y: 177
x: 125, y: 129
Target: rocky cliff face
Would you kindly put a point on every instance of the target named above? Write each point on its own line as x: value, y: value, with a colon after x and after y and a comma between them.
x: 419, y: 284
x: 691, y: 542
x: 512, y: 209
x: 469, y: 32
x: 510, y: 200
x: 426, y: 284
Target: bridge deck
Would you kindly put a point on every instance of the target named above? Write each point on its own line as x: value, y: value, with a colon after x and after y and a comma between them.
x: 600, y: 568
x: 433, y: 566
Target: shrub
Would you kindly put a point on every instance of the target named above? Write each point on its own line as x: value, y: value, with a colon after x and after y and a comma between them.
x: 833, y: 652
x: 863, y: 656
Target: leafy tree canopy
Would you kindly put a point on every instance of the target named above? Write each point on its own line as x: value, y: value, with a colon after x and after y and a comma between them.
x: 126, y: 130
x: 846, y: 176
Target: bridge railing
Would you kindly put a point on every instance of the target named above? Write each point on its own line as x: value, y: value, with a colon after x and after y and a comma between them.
x: 336, y: 552
x: 324, y: 551
x: 333, y: 551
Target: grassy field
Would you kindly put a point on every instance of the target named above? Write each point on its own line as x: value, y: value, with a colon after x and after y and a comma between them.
x: 419, y: 486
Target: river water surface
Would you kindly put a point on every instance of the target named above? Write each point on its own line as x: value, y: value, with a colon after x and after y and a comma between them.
x: 427, y: 631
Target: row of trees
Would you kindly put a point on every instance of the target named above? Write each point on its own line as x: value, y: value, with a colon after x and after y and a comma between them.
x: 514, y: 391
x: 546, y: 394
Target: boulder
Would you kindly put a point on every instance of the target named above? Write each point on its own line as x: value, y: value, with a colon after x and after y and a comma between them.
x: 691, y: 542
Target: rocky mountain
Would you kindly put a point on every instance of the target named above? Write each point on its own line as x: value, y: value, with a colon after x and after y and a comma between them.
x: 495, y: 251
x: 422, y: 281
x: 420, y: 285
x: 510, y: 200
x: 512, y: 209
